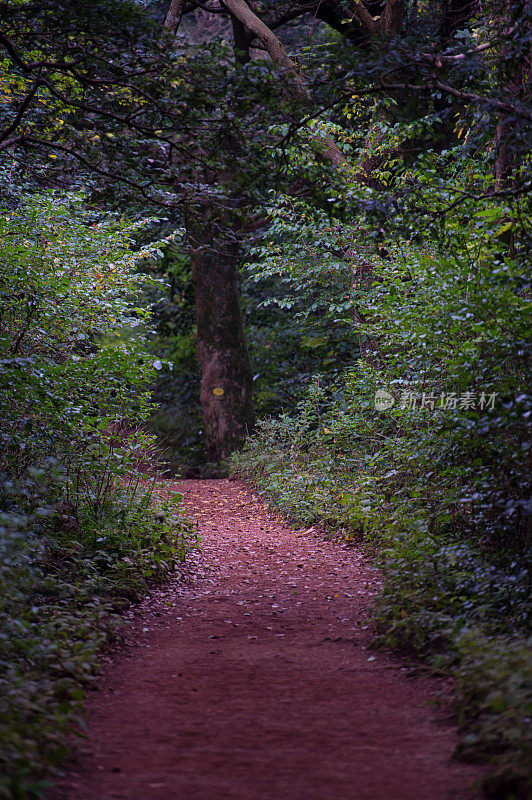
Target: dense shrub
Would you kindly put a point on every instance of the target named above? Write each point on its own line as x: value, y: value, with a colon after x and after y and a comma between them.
x: 451, y: 593
x: 422, y: 451
x: 82, y: 532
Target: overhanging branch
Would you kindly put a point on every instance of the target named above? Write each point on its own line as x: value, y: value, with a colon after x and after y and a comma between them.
x: 295, y: 83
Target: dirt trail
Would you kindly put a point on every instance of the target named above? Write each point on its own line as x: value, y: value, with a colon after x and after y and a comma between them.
x: 255, y: 682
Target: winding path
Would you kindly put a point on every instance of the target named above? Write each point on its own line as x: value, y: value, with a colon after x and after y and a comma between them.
x: 254, y: 681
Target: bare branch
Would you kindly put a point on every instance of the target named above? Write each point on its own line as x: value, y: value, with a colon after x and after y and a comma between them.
x: 10, y: 142
x: 290, y: 71
x: 21, y: 109
x: 508, y: 108
x: 289, y: 15
x: 450, y: 58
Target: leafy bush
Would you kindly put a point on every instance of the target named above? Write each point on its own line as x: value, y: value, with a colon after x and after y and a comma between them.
x: 453, y: 600
x: 449, y: 604
x: 436, y: 480
x: 82, y: 532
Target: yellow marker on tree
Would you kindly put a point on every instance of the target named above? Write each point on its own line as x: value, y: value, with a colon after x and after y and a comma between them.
x: 218, y: 391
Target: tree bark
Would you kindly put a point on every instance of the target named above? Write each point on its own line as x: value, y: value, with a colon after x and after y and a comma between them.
x: 173, y: 16
x: 505, y: 160
x: 393, y: 17
x: 389, y: 22
x: 226, y: 377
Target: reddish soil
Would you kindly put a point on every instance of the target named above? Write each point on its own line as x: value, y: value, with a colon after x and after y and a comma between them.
x: 254, y: 680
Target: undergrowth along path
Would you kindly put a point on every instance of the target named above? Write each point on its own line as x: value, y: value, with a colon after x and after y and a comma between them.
x: 255, y: 681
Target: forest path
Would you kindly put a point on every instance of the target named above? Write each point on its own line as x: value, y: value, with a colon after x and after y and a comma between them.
x: 255, y: 681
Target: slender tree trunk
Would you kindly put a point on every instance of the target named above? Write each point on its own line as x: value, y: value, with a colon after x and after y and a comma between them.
x: 516, y: 74
x: 226, y: 377
x: 241, y: 41
x: 505, y: 161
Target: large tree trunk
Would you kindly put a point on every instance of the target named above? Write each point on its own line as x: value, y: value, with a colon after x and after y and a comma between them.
x: 226, y: 378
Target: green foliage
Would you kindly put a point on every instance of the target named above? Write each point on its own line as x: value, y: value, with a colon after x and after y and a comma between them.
x: 82, y: 533
x: 425, y: 257
x: 68, y: 296
x: 283, y: 361
x: 437, y: 482
x: 64, y: 588
x: 451, y: 605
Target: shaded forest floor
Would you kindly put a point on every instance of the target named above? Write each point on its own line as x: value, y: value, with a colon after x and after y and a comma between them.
x: 253, y: 679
